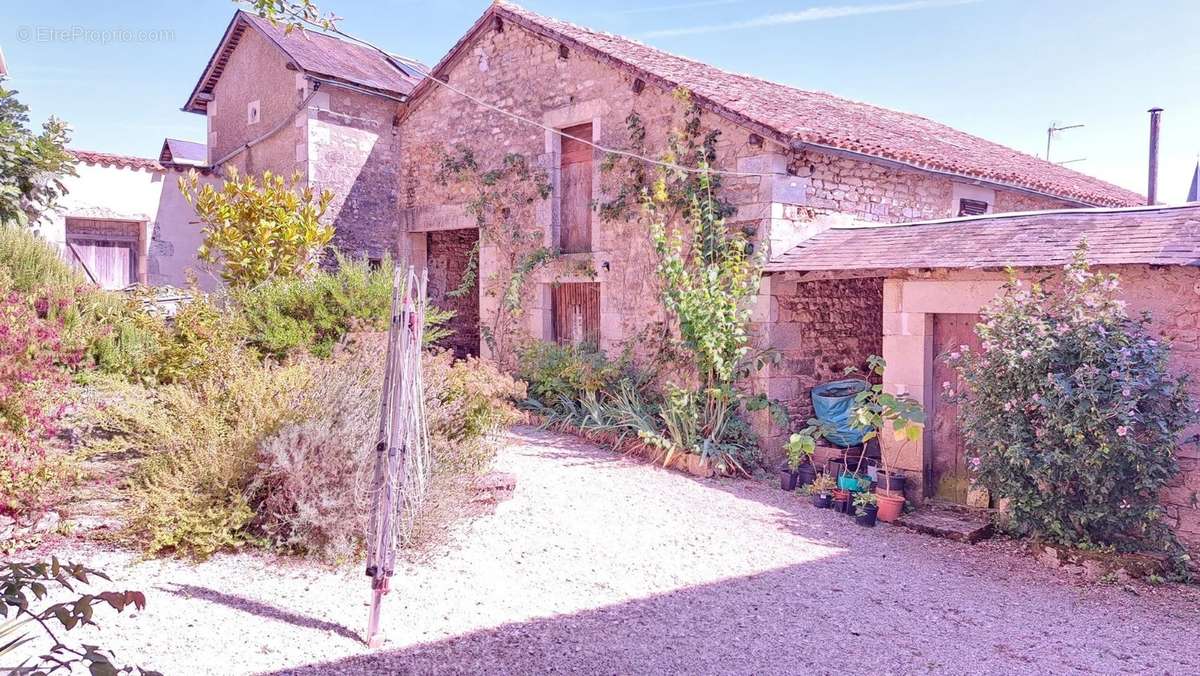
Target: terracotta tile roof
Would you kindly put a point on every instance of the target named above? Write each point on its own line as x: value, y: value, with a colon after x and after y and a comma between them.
x: 1150, y: 235
x: 121, y: 161
x: 797, y: 116
x: 312, y: 52
x: 128, y: 162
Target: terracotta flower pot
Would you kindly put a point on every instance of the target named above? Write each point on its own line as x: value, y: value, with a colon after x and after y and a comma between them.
x: 890, y: 506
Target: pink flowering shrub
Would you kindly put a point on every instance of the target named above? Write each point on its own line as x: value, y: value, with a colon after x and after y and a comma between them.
x: 32, y: 385
x: 1071, y: 412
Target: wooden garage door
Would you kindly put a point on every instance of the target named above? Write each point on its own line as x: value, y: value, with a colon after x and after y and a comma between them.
x: 575, y: 308
x: 949, y: 476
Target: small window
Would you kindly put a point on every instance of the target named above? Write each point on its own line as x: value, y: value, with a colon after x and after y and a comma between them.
x: 968, y: 207
x: 252, y: 112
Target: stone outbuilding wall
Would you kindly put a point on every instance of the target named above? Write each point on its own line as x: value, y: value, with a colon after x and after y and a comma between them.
x: 1170, y: 294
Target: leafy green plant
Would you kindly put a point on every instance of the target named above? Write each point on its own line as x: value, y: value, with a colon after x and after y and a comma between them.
x: 284, y: 315
x: 23, y: 583
x: 864, y: 499
x: 799, y: 449
x: 874, y: 409
x: 707, y: 274
x: 554, y: 371
x: 257, y: 229
x: 823, y: 484
x: 1071, y: 411
x: 31, y: 165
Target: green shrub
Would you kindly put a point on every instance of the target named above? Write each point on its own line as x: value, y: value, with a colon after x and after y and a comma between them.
x: 32, y: 266
x: 116, y: 334
x: 1071, y: 411
x: 286, y: 315
x: 555, y: 372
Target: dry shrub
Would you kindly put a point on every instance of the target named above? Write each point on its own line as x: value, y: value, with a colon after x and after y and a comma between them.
x: 187, y: 496
x: 311, y: 473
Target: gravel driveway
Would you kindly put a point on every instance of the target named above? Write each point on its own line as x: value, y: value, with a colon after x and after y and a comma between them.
x: 604, y: 565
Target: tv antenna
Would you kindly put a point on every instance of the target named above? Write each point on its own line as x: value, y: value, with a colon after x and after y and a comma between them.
x: 1055, y: 129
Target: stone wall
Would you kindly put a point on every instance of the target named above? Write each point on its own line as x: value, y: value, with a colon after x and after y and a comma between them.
x: 352, y: 150
x: 448, y: 253
x: 257, y: 71
x: 822, y: 327
x: 525, y: 73
x: 875, y: 192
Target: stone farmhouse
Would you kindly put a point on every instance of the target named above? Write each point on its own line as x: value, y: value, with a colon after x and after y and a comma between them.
x: 885, y: 231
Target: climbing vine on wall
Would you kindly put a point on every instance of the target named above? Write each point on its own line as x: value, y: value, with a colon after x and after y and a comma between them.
x: 503, y: 201
x: 708, y: 272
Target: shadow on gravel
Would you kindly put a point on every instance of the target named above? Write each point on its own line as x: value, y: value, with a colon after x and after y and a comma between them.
x: 258, y: 608
x: 823, y: 616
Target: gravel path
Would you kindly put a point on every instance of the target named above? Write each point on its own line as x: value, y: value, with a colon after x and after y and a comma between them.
x: 601, y: 564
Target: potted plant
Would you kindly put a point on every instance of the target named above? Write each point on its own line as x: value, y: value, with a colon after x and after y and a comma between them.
x: 800, y: 448
x: 787, y: 478
x: 822, y: 491
x: 841, y: 500
x: 866, y: 509
x: 873, y: 409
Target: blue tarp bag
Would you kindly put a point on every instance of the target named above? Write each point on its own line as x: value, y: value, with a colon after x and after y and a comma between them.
x: 832, y: 403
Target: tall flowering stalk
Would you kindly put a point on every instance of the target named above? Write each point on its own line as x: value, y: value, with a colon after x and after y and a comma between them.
x: 1070, y: 410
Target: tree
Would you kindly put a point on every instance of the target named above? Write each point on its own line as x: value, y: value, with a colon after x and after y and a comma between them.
x: 259, y: 230
x: 31, y: 165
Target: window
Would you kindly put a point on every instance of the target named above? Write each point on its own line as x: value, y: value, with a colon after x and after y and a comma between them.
x: 575, y: 187
x: 969, y: 207
x: 575, y: 310
x: 252, y: 112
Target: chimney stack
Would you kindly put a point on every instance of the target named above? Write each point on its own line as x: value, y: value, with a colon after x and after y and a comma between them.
x: 1152, y: 186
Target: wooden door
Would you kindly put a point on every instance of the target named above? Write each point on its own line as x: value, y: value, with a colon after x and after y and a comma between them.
x: 575, y: 308
x: 949, y: 477
x: 110, y: 263
x: 575, y: 182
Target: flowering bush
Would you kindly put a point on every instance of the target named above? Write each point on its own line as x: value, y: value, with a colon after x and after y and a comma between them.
x: 1070, y: 411
x: 32, y: 379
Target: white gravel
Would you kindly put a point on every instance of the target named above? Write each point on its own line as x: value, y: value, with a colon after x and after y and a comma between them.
x: 602, y: 564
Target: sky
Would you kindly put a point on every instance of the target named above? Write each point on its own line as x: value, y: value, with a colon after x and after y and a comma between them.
x: 118, y: 71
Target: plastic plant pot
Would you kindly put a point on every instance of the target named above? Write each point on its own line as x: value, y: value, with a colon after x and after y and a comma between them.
x: 822, y: 500
x: 848, y: 482
x: 890, y: 506
x: 787, y: 480
x: 867, y: 518
x: 891, y: 482
x: 806, y: 474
